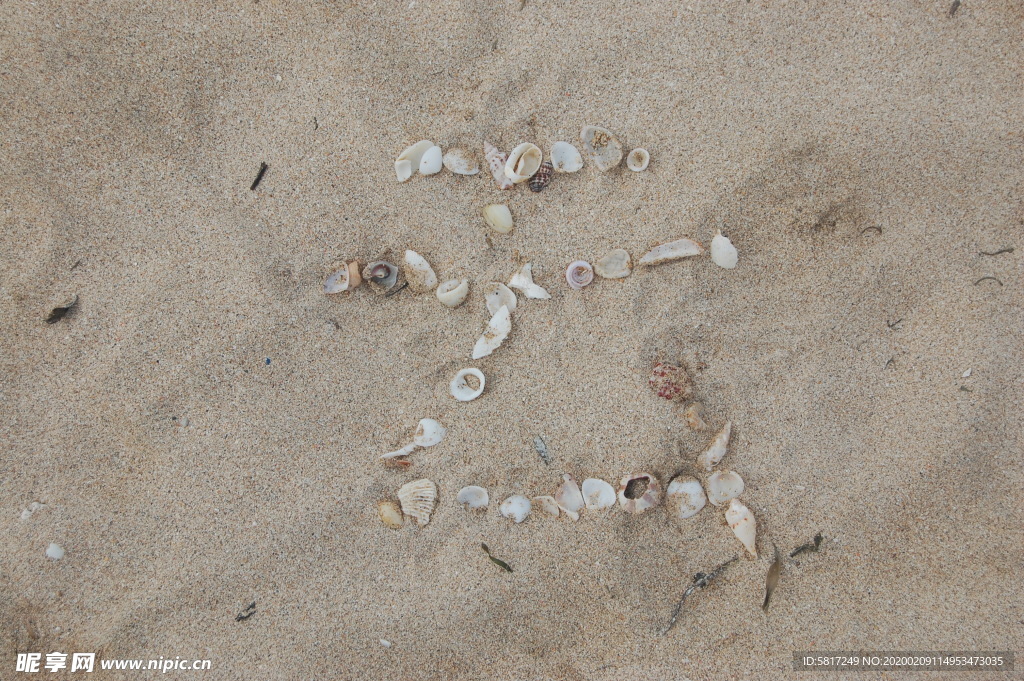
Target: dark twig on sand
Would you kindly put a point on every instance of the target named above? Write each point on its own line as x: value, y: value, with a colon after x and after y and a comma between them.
x: 700, y: 580
x: 812, y: 545
x: 953, y: 8
x: 397, y: 290
x: 1008, y: 249
x: 247, y: 613
x: 500, y: 563
x: 988, y: 279
x: 58, y: 313
x: 259, y: 176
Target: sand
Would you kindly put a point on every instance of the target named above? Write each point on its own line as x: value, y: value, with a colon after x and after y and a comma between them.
x: 203, y: 428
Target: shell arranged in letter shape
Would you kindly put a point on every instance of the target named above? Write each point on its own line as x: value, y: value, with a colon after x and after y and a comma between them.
x: 638, y: 493
x: 598, y: 494
x: 569, y: 498
x: 604, y: 149
x: 743, y: 525
x: 685, y: 497
x: 418, y: 499
x: 496, y: 162
x: 724, y: 486
x: 716, y: 450
x: 497, y: 330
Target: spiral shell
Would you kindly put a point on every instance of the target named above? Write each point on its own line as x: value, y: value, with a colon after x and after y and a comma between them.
x: 579, y: 274
x: 542, y: 178
x: 496, y: 162
x: 461, y: 389
x: 523, y: 162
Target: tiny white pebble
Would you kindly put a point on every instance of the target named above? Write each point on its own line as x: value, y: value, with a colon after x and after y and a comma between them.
x: 277, y: 78
x: 967, y: 374
x: 385, y: 643
x: 54, y: 551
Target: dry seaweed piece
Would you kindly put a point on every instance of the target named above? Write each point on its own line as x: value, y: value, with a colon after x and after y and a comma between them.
x: 58, y: 313
x: 700, y: 580
x: 812, y: 545
x: 772, y: 581
x: 259, y: 176
x: 542, y: 449
x: 500, y: 563
x: 247, y: 613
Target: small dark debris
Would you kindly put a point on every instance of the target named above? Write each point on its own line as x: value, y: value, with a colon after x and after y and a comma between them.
x: 965, y: 389
x: 890, y: 362
x: 988, y: 279
x: 397, y: 290
x: 267, y: 361
x: 812, y: 545
x: 772, y: 581
x: 259, y: 176
x: 79, y: 262
x: 700, y: 581
x: 872, y: 227
x: 247, y: 613
x: 892, y: 325
x: 58, y: 313
x: 1008, y: 249
x: 500, y: 563
x: 953, y: 8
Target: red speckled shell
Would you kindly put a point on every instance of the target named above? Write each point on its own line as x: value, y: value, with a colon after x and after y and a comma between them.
x: 671, y: 382
x: 542, y: 178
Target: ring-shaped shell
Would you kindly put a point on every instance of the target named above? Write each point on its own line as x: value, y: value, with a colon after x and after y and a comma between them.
x: 632, y: 503
x: 453, y: 292
x: 460, y: 388
x: 579, y: 274
x: 638, y: 159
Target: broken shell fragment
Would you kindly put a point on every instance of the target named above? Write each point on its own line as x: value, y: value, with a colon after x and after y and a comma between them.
x: 496, y: 161
x: 497, y: 330
x: 428, y: 433
x: 565, y: 158
x: 542, y: 178
x: 337, y: 282
x: 638, y: 159
x: 499, y: 217
x: 743, y: 525
x: 615, y: 265
x: 462, y: 390
x: 497, y: 294
x: 419, y: 273
x: 516, y: 507
x: 638, y: 493
x: 418, y: 499
x: 430, y: 164
x: 673, y: 250
x: 381, y: 273
x: 724, y: 486
x: 670, y: 382
x: 523, y: 162
x: 603, y: 148
x: 453, y: 292
x: 546, y: 504
x: 685, y: 497
x: 473, y: 498
x: 723, y: 253
x: 404, y: 451
x: 569, y: 498
x: 694, y: 418
x: 54, y: 551
x: 390, y: 515
x: 715, y: 452
x: 523, y: 280
x: 579, y: 274
x: 598, y: 494
x: 409, y: 160
x: 460, y: 162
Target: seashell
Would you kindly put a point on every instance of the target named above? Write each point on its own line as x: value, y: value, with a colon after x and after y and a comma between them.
x: 542, y: 178
x: 565, y: 158
x: 723, y: 253
x: 381, y: 273
x: 724, y: 486
x: 716, y: 450
x: 523, y: 280
x: 453, y: 292
x: 462, y: 390
x: 603, y: 148
x: 460, y: 162
x: 428, y: 433
x: 54, y: 551
x: 473, y: 498
x: 546, y: 504
x: 523, y: 162
x: 638, y: 159
x: 404, y: 451
x: 419, y: 273
x: 354, y: 279
x: 615, y: 265
x: 498, y: 217
x: 418, y: 499
x: 390, y: 514
x: 409, y: 160
x: 497, y: 294
x: 578, y: 274
x: 685, y: 497
x: 569, y: 498
x: 517, y: 508
x: 430, y: 164
x: 496, y: 162
x: 673, y: 250
x: 694, y: 419
x: 638, y: 493
x: 337, y: 282
x: 497, y: 330
x: 670, y: 382
x: 743, y: 525
x: 598, y: 494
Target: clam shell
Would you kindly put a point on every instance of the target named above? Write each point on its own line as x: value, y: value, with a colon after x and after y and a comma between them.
x: 498, y: 217
x: 497, y: 294
x: 409, y: 160
x: 569, y: 498
x: 390, y: 514
x: 381, y: 273
x: 578, y: 274
x: 453, y: 292
x: 715, y: 452
x: 523, y: 162
x: 473, y: 498
x: 497, y: 330
x: 523, y: 280
x: 603, y: 148
x: 743, y: 525
x: 685, y: 497
x: 516, y: 507
x: 673, y: 250
x: 632, y: 502
x: 461, y: 162
x: 615, y: 265
x: 418, y: 499
x: 545, y: 504
x: 460, y: 388
x: 598, y: 494
x: 428, y: 433
x: 496, y: 162
x: 565, y: 158
x: 638, y: 159
x: 724, y: 486
x: 723, y: 253
x: 430, y: 163
x: 419, y: 273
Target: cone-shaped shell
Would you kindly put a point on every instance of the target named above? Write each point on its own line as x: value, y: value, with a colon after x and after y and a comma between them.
x: 743, y: 525
x: 598, y: 494
x: 497, y: 330
x: 569, y: 497
x: 715, y: 452
x: 418, y: 499
x: 685, y: 497
x: 724, y: 486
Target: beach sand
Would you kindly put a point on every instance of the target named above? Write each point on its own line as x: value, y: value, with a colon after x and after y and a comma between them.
x: 204, y: 427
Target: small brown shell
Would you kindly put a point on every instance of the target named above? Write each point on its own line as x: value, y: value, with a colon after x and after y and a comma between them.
x: 542, y: 178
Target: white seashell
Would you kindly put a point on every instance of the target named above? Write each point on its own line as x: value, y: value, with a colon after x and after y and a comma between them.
x: 673, y: 250
x: 460, y: 162
x: 638, y: 493
x: 496, y: 162
x: 565, y: 158
x: 419, y: 273
x: 743, y: 525
x: 404, y: 451
x: 428, y: 433
x: 337, y: 281
x: 523, y: 162
x: 569, y: 498
x: 685, y: 497
x: 460, y: 388
x: 430, y: 164
x: 418, y: 499
x: 473, y: 498
x: 638, y: 159
x: 603, y: 148
x: 716, y: 450
x: 390, y: 514
x: 598, y: 494
x: 579, y: 274
x: 724, y: 486
x: 546, y: 504
x: 497, y: 294
x: 498, y: 217
x: 523, y: 280
x: 54, y: 551
x: 517, y: 508
x: 615, y: 265
x: 723, y: 253
x: 497, y: 330
x: 453, y: 292
x: 408, y: 161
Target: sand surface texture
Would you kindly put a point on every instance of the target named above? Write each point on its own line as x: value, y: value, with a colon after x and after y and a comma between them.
x: 204, y: 427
